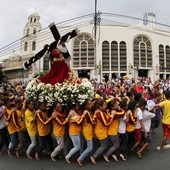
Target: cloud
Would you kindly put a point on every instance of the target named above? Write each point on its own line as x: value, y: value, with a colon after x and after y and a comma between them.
x: 14, y: 13
x: 13, y: 19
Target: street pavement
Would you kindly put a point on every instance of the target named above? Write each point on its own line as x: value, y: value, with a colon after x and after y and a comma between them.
x: 152, y: 160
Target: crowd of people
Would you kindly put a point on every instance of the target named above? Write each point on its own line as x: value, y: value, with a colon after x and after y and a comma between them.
x: 118, y: 120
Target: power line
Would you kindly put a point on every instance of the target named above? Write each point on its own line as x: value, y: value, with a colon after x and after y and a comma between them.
x: 46, y: 36
x: 63, y: 22
x: 7, y: 49
x: 135, y: 18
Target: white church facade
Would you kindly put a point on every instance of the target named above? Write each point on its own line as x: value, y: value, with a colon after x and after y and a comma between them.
x: 136, y: 51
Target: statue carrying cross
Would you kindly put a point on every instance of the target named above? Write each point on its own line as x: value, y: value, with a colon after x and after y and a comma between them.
x: 60, y: 70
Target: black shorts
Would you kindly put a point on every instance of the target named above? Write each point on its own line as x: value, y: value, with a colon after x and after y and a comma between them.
x: 148, y: 138
x: 155, y: 123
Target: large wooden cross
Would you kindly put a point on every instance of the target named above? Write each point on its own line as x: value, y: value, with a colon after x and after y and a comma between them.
x: 59, y: 40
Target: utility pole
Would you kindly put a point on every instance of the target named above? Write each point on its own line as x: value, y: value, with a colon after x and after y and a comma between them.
x: 96, y: 23
x: 95, y: 33
x: 95, y: 20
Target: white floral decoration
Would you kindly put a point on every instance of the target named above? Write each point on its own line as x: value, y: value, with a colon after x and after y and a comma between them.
x: 66, y: 93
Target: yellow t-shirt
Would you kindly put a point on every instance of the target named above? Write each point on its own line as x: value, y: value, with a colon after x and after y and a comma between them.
x: 88, y: 131
x: 131, y: 126
x: 166, y: 111
x: 59, y: 124
x: 58, y: 129
x: 9, y: 121
x: 30, y: 123
x: 18, y: 118
x: 43, y: 123
x: 75, y: 127
x: 114, y: 125
x: 102, y: 122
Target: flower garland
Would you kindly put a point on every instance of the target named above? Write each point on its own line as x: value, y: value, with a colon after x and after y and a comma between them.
x: 69, y: 92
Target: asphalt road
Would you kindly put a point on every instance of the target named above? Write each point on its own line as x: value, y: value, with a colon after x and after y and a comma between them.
x: 152, y: 160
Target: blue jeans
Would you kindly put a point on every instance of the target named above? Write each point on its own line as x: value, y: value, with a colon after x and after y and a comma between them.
x: 59, y: 147
x: 32, y: 145
x: 44, y: 140
x: 76, y: 145
x: 87, y: 150
x: 13, y: 139
x: 115, y: 144
x: 103, y: 146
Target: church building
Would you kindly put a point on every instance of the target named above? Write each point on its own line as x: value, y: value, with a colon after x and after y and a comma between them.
x: 141, y: 50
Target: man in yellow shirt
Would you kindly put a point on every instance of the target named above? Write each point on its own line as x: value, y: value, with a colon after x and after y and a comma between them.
x: 165, y: 119
x: 43, y: 127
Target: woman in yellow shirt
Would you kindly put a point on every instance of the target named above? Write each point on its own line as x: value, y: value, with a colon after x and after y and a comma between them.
x: 75, y: 128
x: 58, y: 129
x: 113, y: 128
x: 8, y: 112
x: 31, y: 126
x: 103, y: 119
x: 131, y: 125
x: 87, y: 129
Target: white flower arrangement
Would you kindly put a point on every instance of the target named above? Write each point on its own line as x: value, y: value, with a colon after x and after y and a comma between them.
x: 66, y: 93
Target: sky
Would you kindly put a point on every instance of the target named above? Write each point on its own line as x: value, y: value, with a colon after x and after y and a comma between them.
x: 14, y: 13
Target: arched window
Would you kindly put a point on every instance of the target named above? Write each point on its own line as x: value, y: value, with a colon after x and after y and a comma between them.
x: 83, y: 51
x: 28, y: 31
x: 34, y: 19
x: 114, y: 56
x: 167, y: 58
x: 161, y: 58
x: 26, y: 46
x: 30, y: 20
x: 105, y: 56
x: 142, y: 47
x: 33, y: 45
x: 34, y: 31
x: 149, y: 54
x: 142, y: 51
x: 123, y: 56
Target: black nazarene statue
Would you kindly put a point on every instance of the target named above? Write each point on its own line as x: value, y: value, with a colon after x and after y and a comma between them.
x: 60, y: 70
